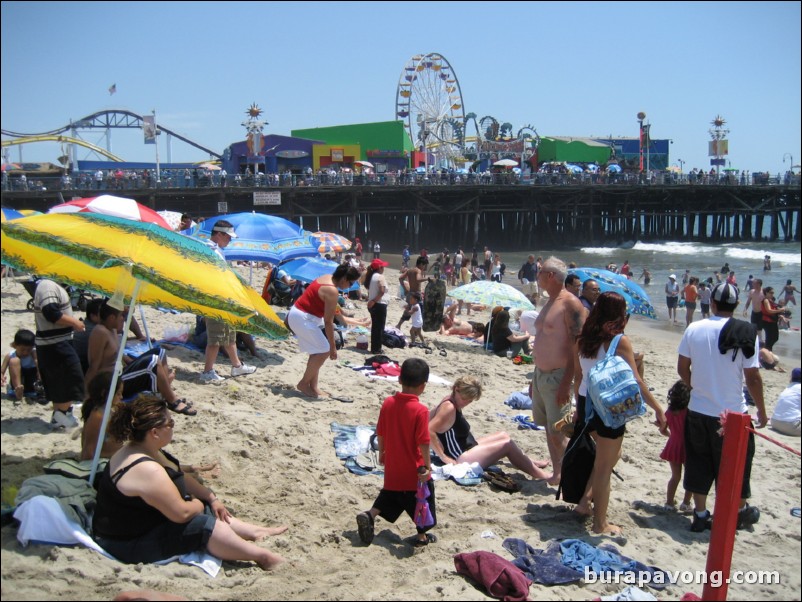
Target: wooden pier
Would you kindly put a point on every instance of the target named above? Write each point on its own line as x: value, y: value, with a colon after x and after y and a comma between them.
x: 502, y: 217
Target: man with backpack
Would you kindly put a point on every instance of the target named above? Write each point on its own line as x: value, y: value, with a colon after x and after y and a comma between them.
x: 717, y: 379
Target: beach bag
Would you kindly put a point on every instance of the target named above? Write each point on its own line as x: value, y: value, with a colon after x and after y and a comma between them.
x: 339, y: 340
x: 392, y: 338
x: 580, y: 454
x: 613, y: 393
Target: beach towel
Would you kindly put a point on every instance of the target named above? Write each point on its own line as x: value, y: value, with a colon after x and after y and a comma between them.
x: 519, y: 400
x: 607, y: 559
x: 351, y: 441
x: 464, y: 474
x: 525, y: 422
x: 573, y: 556
x: 371, y: 373
x: 42, y: 520
x: 541, y: 566
x: 499, y: 576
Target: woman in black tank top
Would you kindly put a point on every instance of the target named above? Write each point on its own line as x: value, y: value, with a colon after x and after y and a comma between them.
x: 149, y: 510
x: 453, y: 442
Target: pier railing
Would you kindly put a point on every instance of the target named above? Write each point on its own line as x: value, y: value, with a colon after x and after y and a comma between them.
x: 136, y: 180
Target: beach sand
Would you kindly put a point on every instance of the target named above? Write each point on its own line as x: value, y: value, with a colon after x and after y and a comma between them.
x: 277, y: 466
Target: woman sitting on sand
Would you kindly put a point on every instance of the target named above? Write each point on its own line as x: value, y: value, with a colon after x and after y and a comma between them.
x: 148, y: 510
x: 92, y: 415
x: 453, y: 442
x: 504, y: 340
x: 606, y: 320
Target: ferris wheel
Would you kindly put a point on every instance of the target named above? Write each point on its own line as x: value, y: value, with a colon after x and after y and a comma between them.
x: 429, y: 101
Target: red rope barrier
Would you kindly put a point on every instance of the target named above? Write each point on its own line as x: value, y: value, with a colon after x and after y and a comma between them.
x: 774, y: 441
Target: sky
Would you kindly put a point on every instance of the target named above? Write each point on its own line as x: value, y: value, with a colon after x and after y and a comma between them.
x: 566, y: 68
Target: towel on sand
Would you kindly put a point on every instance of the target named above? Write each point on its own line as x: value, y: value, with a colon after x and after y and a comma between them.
x: 500, y: 577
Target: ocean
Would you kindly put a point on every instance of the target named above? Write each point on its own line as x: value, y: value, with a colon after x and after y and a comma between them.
x: 703, y: 260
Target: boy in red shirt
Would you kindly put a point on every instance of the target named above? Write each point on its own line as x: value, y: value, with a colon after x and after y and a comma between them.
x: 403, y: 438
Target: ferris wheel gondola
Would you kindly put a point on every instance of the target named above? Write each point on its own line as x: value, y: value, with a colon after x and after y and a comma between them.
x: 429, y: 102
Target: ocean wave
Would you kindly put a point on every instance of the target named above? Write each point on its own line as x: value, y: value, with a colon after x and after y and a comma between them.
x: 670, y: 248
x: 688, y: 249
x: 792, y: 258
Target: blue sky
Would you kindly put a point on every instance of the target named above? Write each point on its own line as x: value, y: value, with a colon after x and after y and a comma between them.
x: 568, y: 69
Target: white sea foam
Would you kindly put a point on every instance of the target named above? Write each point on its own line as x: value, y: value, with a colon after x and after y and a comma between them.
x: 686, y: 249
x: 791, y: 258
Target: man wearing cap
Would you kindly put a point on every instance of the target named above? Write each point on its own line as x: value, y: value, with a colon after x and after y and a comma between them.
x: 672, y: 297
x: 377, y: 304
x: 716, y: 356
x: 219, y: 333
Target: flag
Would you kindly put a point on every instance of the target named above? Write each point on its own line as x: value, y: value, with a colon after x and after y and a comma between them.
x: 149, y: 129
x: 112, y: 89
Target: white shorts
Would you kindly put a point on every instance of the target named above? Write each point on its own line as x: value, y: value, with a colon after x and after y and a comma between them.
x: 308, y: 329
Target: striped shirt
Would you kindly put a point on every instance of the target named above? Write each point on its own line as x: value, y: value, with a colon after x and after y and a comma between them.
x: 50, y: 293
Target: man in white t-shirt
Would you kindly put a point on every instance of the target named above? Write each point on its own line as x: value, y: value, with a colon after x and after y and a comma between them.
x: 717, y: 380
x: 786, y: 417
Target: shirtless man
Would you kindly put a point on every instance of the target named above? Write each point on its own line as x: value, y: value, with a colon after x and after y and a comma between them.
x: 137, y: 377
x: 414, y: 277
x: 558, y: 324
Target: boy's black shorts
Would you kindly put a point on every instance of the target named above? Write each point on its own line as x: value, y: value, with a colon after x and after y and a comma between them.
x: 392, y: 503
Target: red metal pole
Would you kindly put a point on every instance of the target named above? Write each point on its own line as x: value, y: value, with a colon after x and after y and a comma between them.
x: 728, y: 502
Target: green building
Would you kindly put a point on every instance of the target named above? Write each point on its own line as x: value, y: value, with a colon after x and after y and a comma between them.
x: 572, y: 150
x: 385, y: 144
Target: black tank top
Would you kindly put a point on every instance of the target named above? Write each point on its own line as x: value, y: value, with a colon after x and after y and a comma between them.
x: 124, y: 517
x: 458, y: 438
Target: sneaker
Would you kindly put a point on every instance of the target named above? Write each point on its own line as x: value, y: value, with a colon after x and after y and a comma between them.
x: 211, y: 377
x: 364, y: 524
x: 63, y: 420
x: 242, y: 369
x: 686, y: 508
x: 700, y: 523
x: 748, y: 515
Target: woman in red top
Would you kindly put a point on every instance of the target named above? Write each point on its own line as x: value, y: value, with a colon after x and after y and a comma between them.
x: 771, y: 315
x: 311, y: 319
x: 690, y: 293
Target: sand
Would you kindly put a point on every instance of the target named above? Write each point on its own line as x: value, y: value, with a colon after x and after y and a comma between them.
x: 277, y: 466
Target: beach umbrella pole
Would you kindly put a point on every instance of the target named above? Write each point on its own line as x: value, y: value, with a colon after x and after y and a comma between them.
x: 113, y: 387
x: 145, y: 325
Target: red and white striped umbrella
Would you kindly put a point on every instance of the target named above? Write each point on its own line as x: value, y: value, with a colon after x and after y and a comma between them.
x: 331, y: 242
x: 116, y: 206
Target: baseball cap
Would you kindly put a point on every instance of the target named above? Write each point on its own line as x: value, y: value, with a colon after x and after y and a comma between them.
x: 673, y: 276
x: 378, y: 263
x: 225, y: 230
x: 725, y: 293
x: 796, y: 375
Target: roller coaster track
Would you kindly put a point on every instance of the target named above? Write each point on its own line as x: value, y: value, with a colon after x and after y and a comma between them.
x: 67, y: 139
x: 110, y: 118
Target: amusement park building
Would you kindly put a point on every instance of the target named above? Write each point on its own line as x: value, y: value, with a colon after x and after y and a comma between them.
x: 627, y: 152
x: 572, y: 150
x: 278, y: 154
x: 385, y: 144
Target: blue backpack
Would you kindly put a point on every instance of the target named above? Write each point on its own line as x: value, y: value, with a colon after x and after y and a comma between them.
x: 613, y: 393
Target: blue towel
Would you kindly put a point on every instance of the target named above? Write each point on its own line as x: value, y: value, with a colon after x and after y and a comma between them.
x: 606, y: 558
x: 526, y: 422
x: 541, y: 566
x: 565, y: 561
x: 519, y: 401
